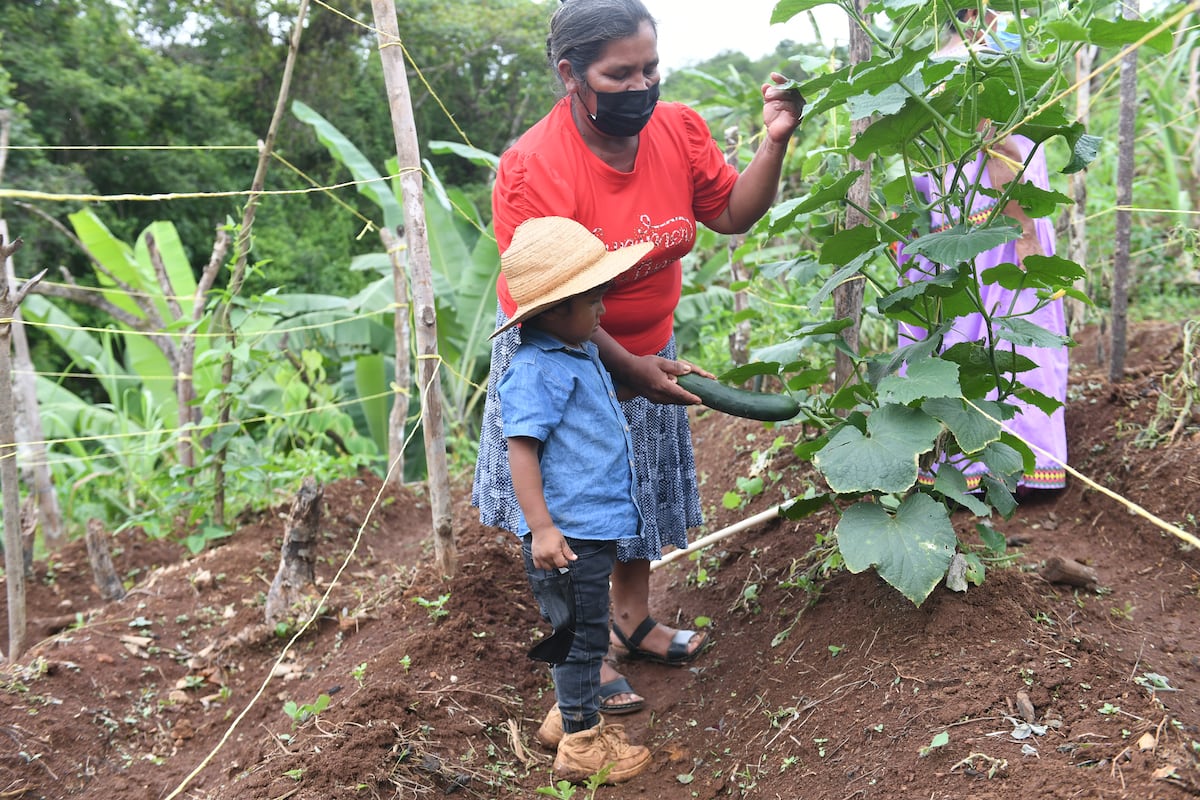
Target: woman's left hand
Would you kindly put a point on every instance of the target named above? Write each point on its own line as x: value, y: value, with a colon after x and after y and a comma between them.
x: 781, y: 109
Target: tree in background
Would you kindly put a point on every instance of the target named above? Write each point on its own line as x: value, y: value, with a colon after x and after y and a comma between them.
x: 151, y: 73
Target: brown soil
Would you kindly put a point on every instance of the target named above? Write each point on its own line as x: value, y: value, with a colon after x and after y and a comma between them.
x: 166, y: 693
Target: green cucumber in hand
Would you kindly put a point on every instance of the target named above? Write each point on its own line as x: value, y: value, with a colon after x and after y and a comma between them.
x: 762, y: 406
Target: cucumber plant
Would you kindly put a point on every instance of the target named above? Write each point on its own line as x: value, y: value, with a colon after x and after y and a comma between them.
x: 919, y: 404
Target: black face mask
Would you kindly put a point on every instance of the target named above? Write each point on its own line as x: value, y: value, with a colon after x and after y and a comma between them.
x: 624, y: 113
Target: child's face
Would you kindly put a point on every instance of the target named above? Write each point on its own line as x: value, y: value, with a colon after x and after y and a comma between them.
x: 577, y: 318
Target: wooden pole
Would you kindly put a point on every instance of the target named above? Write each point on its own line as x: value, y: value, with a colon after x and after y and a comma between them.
x: 848, y: 298
x: 739, y: 340
x: 1077, y: 213
x: 242, y: 251
x: 1125, y: 148
x: 749, y: 522
x: 402, y: 374
x: 29, y: 436
x: 409, y: 156
x: 14, y: 551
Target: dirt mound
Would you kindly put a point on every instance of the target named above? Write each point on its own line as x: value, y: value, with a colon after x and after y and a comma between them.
x: 411, y: 686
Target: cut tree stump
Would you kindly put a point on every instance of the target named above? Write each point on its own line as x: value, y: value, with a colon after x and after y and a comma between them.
x: 100, y: 555
x: 298, y: 555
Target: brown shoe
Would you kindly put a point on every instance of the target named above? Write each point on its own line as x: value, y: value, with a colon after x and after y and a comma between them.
x: 582, y: 755
x: 550, y: 733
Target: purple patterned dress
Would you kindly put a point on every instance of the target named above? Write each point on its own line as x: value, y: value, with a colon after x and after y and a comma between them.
x: 1046, y: 435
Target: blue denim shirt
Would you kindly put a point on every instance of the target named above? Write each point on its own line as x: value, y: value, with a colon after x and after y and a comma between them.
x: 565, y: 399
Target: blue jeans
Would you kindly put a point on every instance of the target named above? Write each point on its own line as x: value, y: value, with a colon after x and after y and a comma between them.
x: 577, y: 680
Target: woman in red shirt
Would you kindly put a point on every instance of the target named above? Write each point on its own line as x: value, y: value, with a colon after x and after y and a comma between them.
x: 631, y: 169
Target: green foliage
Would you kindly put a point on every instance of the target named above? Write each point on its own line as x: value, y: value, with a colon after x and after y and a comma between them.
x: 311, y: 377
x: 873, y: 435
x: 119, y: 446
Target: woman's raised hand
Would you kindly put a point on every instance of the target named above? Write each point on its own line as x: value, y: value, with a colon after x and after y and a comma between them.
x: 782, y: 108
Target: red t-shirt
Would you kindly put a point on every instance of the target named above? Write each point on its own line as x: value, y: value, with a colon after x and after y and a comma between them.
x: 680, y: 176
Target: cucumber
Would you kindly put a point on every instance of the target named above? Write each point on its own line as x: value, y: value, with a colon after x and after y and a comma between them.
x: 762, y: 406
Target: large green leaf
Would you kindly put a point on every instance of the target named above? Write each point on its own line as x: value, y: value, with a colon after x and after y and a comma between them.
x: 1118, y: 33
x: 175, y: 261
x: 827, y: 190
x: 931, y: 377
x: 371, y: 183
x: 480, y: 158
x: 882, y: 365
x: 971, y: 428
x: 888, y: 135
x: 371, y: 387
x: 884, y: 459
x: 65, y: 415
x: 1024, y: 333
x: 133, y: 268
x: 477, y: 296
x: 848, y: 244
x: 1036, y: 201
x: 78, y: 344
x: 889, y: 99
x: 953, y: 484
x: 1004, y: 459
x: 1084, y: 146
x: 114, y: 255
x: 947, y: 282
x: 786, y: 9
x: 449, y: 257
x: 911, y: 550
x: 962, y: 242
x: 1046, y: 272
x: 838, y: 277
x: 865, y: 80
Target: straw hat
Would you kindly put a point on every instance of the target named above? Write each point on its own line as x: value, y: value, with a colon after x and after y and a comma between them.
x: 553, y: 258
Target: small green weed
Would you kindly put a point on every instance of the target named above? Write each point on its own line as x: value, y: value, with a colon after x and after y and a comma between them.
x: 1122, y: 612
x: 706, y: 567
x: 563, y: 790
x: 435, y: 608
x: 939, y: 740
x: 302, y: 713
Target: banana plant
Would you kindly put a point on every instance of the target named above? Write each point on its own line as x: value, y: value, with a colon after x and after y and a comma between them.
x: 465, y: 261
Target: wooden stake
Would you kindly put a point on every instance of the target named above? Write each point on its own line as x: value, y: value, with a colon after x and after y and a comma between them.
x: 14, y: 552
x: 402, y: 374
x: 100, y: 556
x: 848, y: 297
x: 428, y: 362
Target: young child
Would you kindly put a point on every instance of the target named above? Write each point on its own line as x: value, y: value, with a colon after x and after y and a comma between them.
x: 571, y: 459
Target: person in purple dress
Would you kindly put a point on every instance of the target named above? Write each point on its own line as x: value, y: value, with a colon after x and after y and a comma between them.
x: 1046, y: 435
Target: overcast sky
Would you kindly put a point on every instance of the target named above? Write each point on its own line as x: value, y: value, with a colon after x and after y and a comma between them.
x: 689, y: 31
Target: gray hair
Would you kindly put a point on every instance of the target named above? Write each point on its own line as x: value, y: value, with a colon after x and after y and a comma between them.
x: 580, y: 29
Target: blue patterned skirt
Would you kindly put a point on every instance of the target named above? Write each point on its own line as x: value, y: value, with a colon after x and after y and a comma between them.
x: 662, y: 442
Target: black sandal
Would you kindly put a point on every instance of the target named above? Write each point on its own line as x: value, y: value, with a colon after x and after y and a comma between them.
x: 613, y: 688
x: 677, y: 652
